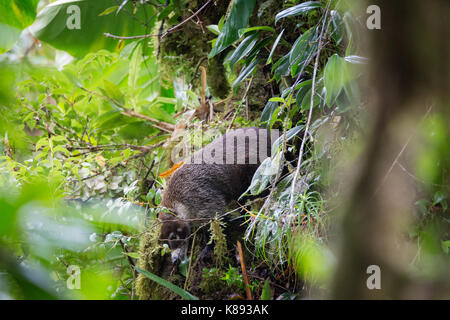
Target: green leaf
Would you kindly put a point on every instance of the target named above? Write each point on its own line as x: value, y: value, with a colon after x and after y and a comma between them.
x: 7, y: 216
x: 15, y: 16
x: 269, y: 109
x: 281, y: 67
x: 61, y: 149
x: 337, y: 27
x: 445, y: 246
x: 184, y: 266
x: 298, y: 9
x: 114, y: 92
x: 247, y: 71
x: 302, y: 50
x: 302, y: 91
x: 135, y: 67
x: 109, y: 10
x: 262, y: 177
x: 333, y: 78
x: 266, y: 293
x: 42, y: 142
x: 237, y: 19
x: 275, y: 44
x: 276, y: 146
x: 156, y: 111
x: 134, y: 255
x: 256, y: 49
x: 181, y: 292
x: 165, y: 12
x: 244, y: 48
x: 137, y: 130
x: 111, y: 120
x: 57, y: 24
x: 306, y: 102
x: 276, y: 99
x: 259, y: 28
x: 354, y: 59
x: 214, y: 29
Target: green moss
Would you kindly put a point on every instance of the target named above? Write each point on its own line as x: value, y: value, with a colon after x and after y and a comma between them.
x: 190, y: 45
x: 217, y: 80
x: 220, y: 242
x: 211, y: 280
x: 153, y: 259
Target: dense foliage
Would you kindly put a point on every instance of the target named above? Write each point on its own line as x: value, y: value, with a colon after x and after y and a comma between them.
x: 86, y: 136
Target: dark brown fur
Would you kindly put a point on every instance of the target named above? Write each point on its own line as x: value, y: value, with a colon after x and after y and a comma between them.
x: 197, y: 192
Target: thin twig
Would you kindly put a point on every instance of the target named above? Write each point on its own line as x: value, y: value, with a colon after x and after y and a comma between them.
x: 244, y: 272
x: 142, y: 154
x: 161, y: 125
x: 188, y: 273
x: 161, y: 28
x: 111, y: 146
x: 109, y: 35
x: 186, y: 20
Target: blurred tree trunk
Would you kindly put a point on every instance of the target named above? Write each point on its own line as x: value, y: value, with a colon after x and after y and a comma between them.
x: 410, y: 71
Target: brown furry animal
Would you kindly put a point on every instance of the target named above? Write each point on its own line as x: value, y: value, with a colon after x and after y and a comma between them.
x: 211, y: 179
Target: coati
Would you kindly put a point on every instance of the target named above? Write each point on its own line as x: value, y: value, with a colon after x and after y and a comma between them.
x: 211, y: 179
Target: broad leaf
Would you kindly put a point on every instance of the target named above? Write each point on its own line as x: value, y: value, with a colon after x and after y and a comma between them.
x: 78, y: 26
x: 302, y: 50
x: 238, y: 19
x: 333, y: 78
x: 266, y: 293
x: 270, y: 107
x: 244, y: 48
x: 15, y: 16
x: 246, y: 72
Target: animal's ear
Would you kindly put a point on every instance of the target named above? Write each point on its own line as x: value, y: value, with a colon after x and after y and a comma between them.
x: 162, y: 216
x: 166, y: 214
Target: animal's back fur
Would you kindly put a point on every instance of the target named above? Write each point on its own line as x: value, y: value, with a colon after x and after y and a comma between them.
x: 202, y: 189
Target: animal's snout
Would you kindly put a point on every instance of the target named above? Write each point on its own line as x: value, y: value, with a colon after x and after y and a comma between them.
x: 174, y: 232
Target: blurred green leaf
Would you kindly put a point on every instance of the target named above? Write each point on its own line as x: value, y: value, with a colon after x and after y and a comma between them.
x: 56, y: 25
x: 266, y: 292
x: 334, y: 77
x: 15, y: 16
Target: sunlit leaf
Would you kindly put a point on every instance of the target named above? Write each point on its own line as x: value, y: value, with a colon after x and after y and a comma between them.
x: 15, y: 16
x: 77, y: 26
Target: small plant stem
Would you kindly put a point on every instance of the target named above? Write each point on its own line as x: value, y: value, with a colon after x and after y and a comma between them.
x: 244, y: 272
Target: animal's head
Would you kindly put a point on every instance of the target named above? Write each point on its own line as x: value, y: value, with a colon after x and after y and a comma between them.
x: 175, y: 233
